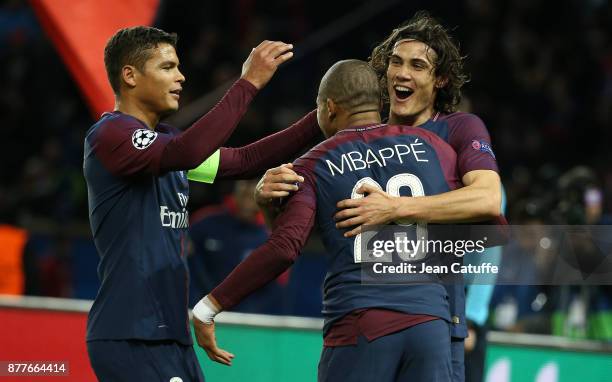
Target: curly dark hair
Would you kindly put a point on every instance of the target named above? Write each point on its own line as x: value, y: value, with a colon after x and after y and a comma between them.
x: 132, y: 46
x: 448, y: 65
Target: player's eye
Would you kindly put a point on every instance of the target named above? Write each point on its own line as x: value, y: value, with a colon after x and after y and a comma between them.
x: 168, y: 66
x: 419, y: 65
x: 395, y: 61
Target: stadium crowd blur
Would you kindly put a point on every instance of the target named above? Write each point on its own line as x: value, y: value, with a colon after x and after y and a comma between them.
x: 541, y: 80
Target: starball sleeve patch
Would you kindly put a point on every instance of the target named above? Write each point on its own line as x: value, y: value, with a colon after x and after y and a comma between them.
x: 143, y: 138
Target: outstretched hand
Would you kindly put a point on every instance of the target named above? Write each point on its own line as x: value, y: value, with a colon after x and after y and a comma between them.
x: 205, y: 336
x: 375, y: 208
x: 263, y: 61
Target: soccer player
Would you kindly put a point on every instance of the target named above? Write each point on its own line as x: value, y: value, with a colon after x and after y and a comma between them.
x: 421, y: 70
x: 421, y: 73
x: 136, y: 172
x: 371, y: 332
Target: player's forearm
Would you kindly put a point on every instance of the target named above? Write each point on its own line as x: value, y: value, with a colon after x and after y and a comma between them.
x: 256, y: 271
x: 205, y: 136
x: 250, y: 160
x: 468, y: 204
x: 268, y: 261
x: 264, y: 265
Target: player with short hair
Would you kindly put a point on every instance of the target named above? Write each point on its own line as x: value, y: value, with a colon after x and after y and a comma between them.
x: 136, y: 170
x: 371, y: 332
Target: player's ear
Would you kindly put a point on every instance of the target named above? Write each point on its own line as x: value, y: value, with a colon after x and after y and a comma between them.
x: 128, y: 75
x: 331, y: 109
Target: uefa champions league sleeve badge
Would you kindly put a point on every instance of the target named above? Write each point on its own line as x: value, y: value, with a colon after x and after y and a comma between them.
x: 143, y: 138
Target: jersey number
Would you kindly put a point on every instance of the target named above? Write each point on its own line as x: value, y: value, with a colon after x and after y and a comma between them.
x: 393, y: 188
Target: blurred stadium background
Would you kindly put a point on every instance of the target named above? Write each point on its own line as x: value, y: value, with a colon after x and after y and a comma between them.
x: 541, y: 80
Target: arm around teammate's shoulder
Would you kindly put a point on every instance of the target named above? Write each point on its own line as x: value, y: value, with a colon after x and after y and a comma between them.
x: 479, y: 200
x: 126, y: 146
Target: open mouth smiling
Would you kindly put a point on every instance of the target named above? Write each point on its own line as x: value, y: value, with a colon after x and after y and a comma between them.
x: 402, y: 93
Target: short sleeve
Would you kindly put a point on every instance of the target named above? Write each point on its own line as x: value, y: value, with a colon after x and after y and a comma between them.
x: 472, y: 142
x: 306, y: 190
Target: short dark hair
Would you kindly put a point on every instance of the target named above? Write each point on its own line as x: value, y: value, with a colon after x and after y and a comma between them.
x: 131, y: 46
x: 448, y: 65
x: 352, y: 84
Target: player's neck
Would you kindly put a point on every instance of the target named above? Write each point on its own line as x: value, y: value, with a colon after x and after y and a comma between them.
x: 362, y: 119
x: 149, y: 118
x: 411, y: 120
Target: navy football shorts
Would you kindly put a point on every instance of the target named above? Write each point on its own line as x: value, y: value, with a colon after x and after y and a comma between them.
x: 137, y: 360
x: 421, y: 353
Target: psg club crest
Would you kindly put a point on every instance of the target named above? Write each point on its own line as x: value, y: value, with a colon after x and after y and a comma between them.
x: 143, y: 138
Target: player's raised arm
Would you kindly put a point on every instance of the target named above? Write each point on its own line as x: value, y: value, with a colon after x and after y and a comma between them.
x: 132, y: 141
x: 250, y: 160
x: 263, y: 61
x: 205, y: 136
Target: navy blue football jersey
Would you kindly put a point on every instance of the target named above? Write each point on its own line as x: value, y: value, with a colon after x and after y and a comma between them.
x: 403, y: 161
x: 139, y: 222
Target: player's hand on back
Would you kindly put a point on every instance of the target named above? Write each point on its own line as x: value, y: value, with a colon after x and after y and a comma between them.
x: 263, y: 61
x: 276, y: 183
x: 205, y: 335
x: 377, y: 207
